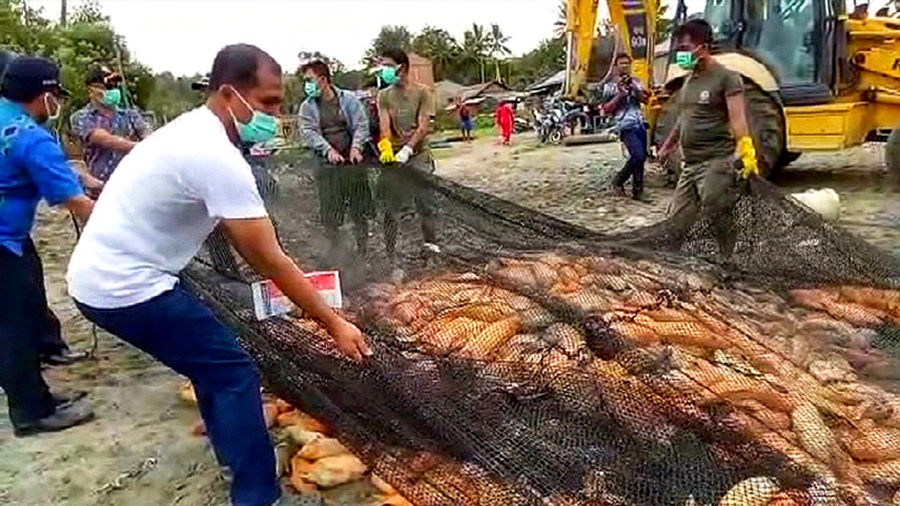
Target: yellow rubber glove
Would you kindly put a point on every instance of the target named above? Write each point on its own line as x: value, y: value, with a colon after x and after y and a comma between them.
x: 386, y: 151
x: 747, y: 154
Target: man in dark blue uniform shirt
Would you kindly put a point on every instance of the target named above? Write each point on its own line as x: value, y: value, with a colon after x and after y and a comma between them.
x: 33, y: 167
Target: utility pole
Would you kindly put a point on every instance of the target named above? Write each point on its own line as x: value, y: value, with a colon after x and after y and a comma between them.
x: 62, y: 14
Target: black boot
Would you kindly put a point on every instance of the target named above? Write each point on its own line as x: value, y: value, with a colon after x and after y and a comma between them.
x: 63, y: 418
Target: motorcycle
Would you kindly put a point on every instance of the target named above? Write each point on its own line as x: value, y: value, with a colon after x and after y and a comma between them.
x: 548, y: 125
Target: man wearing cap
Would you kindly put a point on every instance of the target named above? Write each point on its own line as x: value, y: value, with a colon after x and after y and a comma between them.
x: 105, y: 129
x: 53, y: 350
x: 33, y: 166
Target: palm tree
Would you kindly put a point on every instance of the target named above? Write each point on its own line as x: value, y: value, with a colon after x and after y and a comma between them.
x: 497, y: 47
x: 559, y: 26
x: 439, y: 46
x: 475, y: 46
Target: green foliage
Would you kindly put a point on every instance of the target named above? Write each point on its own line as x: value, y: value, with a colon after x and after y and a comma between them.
x: 538, y: 64
x: 389, y: 36
x: 87, y: 39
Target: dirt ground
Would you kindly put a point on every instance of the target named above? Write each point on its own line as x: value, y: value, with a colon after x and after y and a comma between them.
x: 140, y: 451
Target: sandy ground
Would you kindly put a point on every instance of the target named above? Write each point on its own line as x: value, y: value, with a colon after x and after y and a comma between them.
x: 140, y: 451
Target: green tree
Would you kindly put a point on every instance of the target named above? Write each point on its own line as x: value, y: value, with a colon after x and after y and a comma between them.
x: 561, y: 22
x: 389, y: 36
x: 440, y: 47
x: 476, y: 47
x: 497, y: 46
x: 538, y: 64
x: 664, y: 25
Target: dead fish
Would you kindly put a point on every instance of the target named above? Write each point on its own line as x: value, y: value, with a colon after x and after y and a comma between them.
x: 758, y: 491
x: 831, y: 369
x: 738, y: 364
x: 814, y: 435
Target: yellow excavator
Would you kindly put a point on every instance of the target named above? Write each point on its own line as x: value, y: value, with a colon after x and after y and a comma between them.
x: 817, y: 79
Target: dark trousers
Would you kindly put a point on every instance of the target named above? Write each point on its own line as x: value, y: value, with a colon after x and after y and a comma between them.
x: 182, y: 333
x: 23, y: 320
x: 344, y: 190
x: 635, y: 140
x: 396, y: 187
x: 51, y: 338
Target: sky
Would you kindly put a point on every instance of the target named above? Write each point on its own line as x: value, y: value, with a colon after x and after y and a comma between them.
x: 183, y: 36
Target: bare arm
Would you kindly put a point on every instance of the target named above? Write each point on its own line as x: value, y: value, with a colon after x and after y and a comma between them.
x: 737, y: 117
x: 384, y: 118
x: 81, y: 206
x: 104, y: 139
x: 255, y: 240
x: 426, y: 111
x: 671, y: 140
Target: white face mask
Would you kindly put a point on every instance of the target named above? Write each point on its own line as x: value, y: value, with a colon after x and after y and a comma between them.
x: 48, y: 98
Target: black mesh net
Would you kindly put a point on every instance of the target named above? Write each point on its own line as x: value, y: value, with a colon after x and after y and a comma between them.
x: 536, y: 362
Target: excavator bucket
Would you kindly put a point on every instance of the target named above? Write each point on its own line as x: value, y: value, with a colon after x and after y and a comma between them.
x: 603, y: 53
x: 631, y: 28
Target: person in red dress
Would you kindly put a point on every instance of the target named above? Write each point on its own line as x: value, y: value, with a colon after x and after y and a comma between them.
x: 505, y: 117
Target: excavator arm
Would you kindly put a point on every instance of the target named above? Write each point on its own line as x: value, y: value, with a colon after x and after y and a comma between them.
x: 635, y: 26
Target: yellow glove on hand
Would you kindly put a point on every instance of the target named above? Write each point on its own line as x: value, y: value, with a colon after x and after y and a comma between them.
x: 747, y: 154
x: 386, y: 151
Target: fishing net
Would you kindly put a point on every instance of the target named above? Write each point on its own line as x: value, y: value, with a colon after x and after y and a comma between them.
x: 536, y: 362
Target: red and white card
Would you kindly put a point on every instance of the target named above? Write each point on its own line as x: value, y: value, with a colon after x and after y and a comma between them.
x: 269, y: 301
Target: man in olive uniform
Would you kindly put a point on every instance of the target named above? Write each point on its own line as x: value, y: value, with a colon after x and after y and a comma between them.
x: 405, y: 109
x: 334, y: 125
x: 713, y: 133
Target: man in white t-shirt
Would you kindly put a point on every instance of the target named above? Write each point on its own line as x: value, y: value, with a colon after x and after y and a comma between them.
x: 156, y: 210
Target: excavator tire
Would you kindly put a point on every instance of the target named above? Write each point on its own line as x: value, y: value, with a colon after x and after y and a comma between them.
x: 766, y: 125
x: 892, y: 152
x: 768, y: 129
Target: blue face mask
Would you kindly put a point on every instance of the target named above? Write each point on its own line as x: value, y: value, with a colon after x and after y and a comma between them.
x: 262, y: 127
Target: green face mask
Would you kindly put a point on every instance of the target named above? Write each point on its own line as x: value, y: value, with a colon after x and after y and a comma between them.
x: 686, y: 60
x: 112, y: 97
x: 389, y: 75
x: 311, y: 88
x: 262, y: 127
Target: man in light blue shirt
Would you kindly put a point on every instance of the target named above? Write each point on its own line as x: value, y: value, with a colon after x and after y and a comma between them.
x: 627, y: 96
x: 32, y: 167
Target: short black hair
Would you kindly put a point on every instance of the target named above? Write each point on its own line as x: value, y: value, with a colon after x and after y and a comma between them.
x: 698, y: 30
x: 398, y: 55
x: 622, y: 56
x: 318, y: 67
x: 238, y: 64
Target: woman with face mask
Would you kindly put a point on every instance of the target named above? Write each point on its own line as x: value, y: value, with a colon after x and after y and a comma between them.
x: 713, y: 134
x: 33, y: 167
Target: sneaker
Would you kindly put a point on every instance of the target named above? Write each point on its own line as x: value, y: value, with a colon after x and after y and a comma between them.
x: 64, y: 357
x: 431, y: 247
x: 63, y: 418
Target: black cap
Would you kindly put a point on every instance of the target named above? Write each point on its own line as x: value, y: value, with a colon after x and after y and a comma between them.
x: 202, y: 84
x: 6, y: 56
x: 102, y: 75
x: 28, y: 77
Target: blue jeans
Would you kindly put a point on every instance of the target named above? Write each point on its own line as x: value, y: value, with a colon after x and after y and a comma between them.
x: 635, y: 139
x: 182, y: 333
